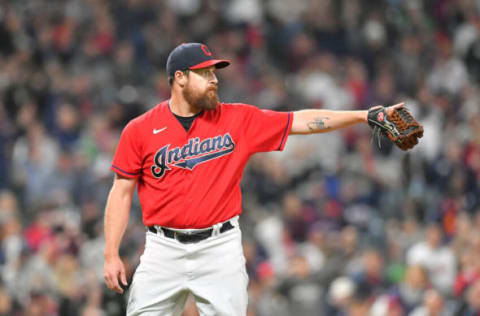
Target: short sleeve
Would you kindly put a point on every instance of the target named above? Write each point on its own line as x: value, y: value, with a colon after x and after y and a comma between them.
x: 128, y: 160
x: 266, y: 130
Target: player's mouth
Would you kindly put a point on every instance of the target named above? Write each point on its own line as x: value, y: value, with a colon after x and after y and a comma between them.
x: 212, y: 91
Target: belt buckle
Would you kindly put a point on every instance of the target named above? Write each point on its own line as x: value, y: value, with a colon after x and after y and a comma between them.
x: 183, y: 237
x: 176, y: 233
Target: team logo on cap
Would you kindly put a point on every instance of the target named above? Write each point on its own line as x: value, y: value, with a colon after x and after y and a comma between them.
x: 191, y: 154
x: 205, y: 50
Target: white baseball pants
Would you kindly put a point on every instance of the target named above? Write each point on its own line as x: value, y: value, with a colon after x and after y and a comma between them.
x: 213, y: 270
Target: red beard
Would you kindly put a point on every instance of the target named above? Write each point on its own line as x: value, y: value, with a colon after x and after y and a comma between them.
x: 205, y: 101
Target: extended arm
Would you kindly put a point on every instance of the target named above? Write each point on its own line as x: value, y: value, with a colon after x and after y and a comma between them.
x: 116, y: 220
x: 322, y: 121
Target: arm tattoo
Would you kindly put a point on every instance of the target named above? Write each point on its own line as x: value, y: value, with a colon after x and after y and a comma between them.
x: 318, y: 124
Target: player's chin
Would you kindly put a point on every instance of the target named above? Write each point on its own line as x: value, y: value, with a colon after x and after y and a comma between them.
x: 211, y: 100
x: 211, y: 105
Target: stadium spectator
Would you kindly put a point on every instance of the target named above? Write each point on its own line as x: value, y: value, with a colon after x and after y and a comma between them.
x: 332, y: 226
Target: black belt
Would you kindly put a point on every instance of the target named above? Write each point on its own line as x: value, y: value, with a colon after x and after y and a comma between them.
x: 190, y: 237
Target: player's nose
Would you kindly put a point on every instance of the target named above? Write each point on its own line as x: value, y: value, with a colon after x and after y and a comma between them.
x: 214, y: 79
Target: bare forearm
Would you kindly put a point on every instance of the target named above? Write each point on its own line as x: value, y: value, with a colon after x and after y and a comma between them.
x: 116, y: 220
x: 322, y: 121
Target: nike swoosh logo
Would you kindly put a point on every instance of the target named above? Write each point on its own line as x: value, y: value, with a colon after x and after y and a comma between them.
x: 156, y: 131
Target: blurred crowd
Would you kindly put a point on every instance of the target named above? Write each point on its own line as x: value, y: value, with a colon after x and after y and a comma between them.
x: 331, y: 226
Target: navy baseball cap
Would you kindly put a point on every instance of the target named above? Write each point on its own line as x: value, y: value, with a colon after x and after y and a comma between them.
x: 192, y: 56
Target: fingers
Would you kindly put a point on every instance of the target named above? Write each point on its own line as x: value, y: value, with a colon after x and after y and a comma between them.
x: 114, y: 274
x: 123, y: 277
x: 398, y: 105
x: 394, y: 107
x: 112, y: 283
x: 375, y: 107
x: 116, y: 286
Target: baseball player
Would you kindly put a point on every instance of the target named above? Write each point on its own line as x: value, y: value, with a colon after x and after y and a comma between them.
x: 186, y: 157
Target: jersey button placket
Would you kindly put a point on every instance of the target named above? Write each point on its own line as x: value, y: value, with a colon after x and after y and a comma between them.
x: 188, y: 174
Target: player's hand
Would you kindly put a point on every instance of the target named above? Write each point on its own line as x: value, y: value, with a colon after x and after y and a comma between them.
x: 113, y: 273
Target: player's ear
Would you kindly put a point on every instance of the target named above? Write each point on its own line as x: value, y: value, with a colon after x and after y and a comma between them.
x: 181, y: 77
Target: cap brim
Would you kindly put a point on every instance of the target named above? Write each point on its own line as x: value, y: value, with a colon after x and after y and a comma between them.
x: 218, y: 63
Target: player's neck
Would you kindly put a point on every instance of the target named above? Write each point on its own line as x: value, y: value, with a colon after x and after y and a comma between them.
x: 180, y: 107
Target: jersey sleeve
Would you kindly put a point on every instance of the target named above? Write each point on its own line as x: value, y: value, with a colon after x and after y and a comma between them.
x: 266, y: 130
x: 128, y: 160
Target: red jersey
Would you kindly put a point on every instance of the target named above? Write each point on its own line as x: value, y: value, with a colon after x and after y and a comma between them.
x: 192, y: 179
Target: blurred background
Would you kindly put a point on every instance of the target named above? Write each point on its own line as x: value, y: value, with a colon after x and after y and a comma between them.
x: 331, y: 226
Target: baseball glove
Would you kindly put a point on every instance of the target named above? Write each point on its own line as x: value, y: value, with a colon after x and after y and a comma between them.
x: 399, y: 126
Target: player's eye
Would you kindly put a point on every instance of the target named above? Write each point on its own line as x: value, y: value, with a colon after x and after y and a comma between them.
x: 206, y: 73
